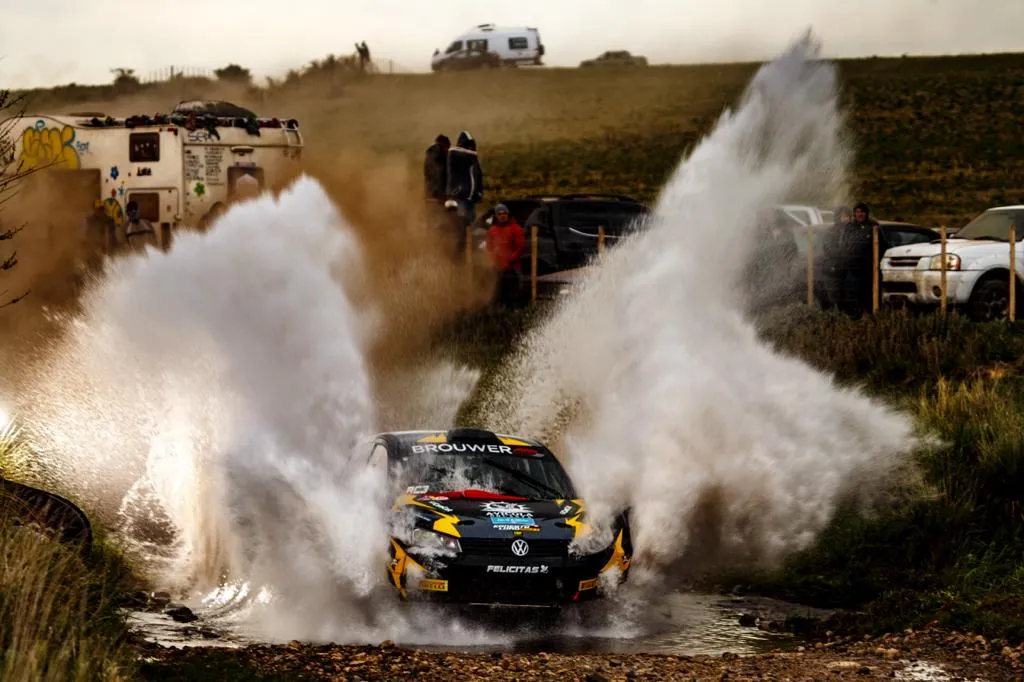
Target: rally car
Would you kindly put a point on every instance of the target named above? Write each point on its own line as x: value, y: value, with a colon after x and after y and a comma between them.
x: 479, y: 518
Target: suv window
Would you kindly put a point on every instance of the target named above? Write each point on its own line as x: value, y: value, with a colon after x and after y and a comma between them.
x: 518, y: 43
x: 586, y: 217
x: 906, y: 237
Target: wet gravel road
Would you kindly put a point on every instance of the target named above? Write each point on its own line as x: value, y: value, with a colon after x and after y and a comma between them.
x: 924, y: 655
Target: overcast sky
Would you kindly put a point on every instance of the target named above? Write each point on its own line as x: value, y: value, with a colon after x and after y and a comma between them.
x: 50, y: 42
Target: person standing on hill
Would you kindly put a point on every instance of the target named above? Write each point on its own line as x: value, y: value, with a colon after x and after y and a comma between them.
x: 435, y: 169
x: 833, y: 259
x: 465, y: 181
x: 506, y: 242
x: 849, y: 251
x: 863, y: 263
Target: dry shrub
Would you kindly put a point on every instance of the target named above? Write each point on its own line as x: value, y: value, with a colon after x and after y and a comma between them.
x: 59, y: 611
x: 59, y: 615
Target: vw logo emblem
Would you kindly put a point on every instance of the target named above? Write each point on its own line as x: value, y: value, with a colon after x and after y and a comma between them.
x: 520, y: 548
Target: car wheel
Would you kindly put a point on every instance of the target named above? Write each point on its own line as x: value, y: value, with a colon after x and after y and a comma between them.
x: 989, y: 301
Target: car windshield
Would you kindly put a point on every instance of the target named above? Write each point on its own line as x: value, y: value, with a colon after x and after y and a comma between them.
x: 994, y: 225
x: 519, y: 475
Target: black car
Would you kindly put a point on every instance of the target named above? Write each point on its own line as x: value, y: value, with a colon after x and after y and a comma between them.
x: 568, y: 227
x: 480, y: 518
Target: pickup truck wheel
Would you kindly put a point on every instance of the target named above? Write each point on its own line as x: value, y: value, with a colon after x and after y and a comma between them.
x: 989, y: 301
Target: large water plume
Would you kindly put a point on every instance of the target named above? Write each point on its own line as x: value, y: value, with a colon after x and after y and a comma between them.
x: 727, y: 450
x: 208, y: 403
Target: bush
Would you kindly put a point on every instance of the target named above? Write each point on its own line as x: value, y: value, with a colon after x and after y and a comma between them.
x: 59, y: 609
x: 951, y: 548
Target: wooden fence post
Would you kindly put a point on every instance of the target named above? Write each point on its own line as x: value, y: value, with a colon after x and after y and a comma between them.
x: 810, y: 264
x: 874, y: 277
x: 1013, y: 274
x: 533, y: 264
x: 942, y: 274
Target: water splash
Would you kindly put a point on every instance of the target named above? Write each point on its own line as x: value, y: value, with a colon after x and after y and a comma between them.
x: 728, y: 451
x: 208, y: 403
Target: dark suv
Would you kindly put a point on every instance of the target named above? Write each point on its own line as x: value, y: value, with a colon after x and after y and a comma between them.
x: 568, y: 226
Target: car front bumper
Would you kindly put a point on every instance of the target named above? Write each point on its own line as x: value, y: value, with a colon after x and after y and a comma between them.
x: 923, y: 287
x: 491, y: 580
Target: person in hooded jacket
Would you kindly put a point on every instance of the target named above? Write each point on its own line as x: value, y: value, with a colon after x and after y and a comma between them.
x: 435, y: 170
x: 833, y: 263
x: 506, y: 243
x: 851, y: 251
x: 465, y: 182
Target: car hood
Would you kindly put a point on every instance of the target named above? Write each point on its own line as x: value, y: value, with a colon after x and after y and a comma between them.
x: 506, y: 517
x: 958, y: 246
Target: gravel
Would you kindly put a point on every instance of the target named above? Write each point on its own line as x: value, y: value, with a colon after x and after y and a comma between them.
x: 921, y: 655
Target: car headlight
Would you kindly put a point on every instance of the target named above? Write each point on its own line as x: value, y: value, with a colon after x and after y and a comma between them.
x: 952, y: 262
x: 424, y: 540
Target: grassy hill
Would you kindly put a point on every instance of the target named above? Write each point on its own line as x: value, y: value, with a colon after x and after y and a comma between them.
x: 938, y: 137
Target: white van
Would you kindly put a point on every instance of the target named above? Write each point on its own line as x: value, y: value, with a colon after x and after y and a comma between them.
x: 513, y: 46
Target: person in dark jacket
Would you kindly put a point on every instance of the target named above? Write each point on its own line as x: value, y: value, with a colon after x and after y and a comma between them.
x: 833, y: 262
x: 435, y: 169
x: 465, y: 183
x: 850, y: 250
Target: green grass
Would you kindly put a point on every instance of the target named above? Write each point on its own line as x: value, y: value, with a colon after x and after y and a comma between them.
x: 59, y: 609
x: 937, y: 137
x: 950, y: 548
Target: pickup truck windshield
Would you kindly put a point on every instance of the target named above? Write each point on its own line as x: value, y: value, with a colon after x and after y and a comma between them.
x: 994, y: 225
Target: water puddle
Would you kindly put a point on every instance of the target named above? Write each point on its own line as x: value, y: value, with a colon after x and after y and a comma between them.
x: 684, y: 624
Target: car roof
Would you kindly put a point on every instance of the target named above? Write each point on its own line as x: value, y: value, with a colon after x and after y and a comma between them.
x: 896, y: 223
x: 575, y: 197
x: 458, y: 435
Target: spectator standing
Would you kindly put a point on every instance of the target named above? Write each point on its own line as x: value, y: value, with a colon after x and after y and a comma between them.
x: 435, y: 169
x: 506, y: 243
x: 138, y: 232
x: 465, y: 183
x: 848, y: 250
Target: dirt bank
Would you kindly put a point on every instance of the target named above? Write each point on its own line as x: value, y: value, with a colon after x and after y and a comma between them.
x: 923, y: 655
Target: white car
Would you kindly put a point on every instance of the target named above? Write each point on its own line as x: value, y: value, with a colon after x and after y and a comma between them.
x: 513, y: 45
x: 977, y: 267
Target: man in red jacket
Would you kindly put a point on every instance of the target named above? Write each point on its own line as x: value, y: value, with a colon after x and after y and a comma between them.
x: 505, y: 245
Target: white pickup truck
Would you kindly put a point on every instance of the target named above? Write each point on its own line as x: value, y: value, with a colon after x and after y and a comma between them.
x: 977, y: 267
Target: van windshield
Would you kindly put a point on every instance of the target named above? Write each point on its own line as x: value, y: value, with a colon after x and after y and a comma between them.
x: 454, y: 47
